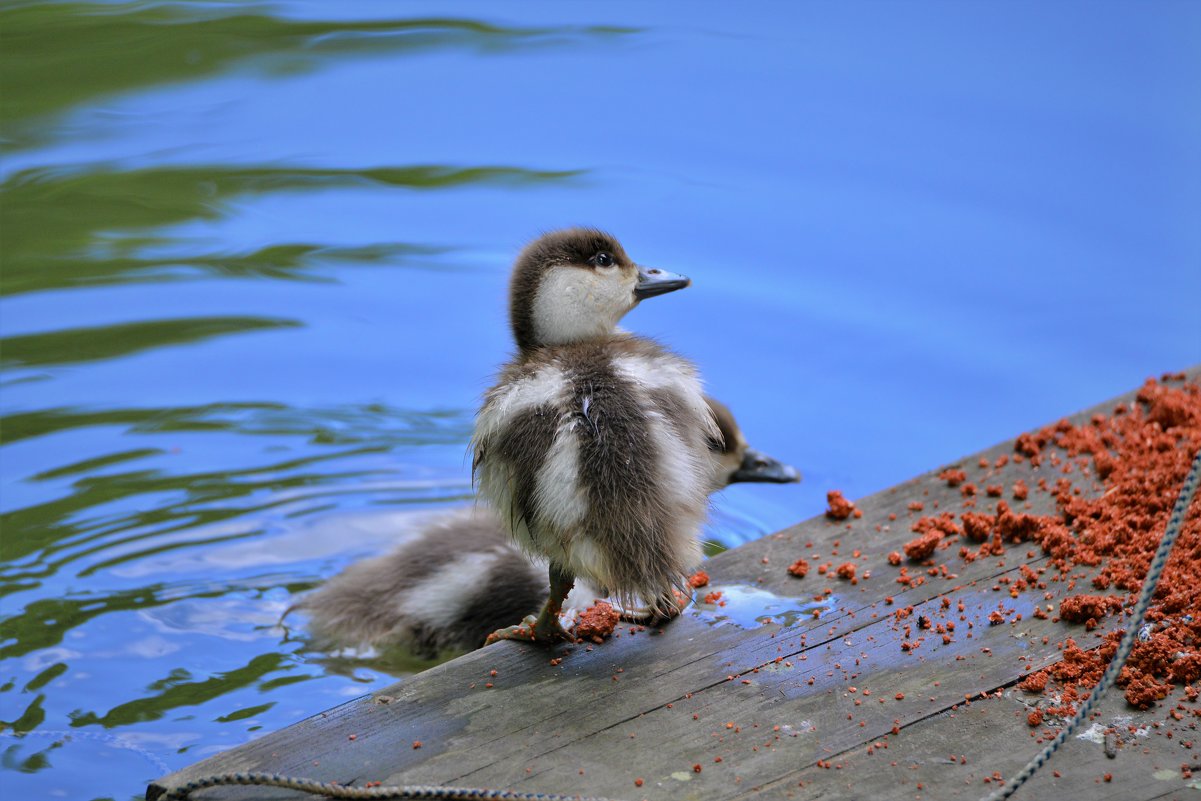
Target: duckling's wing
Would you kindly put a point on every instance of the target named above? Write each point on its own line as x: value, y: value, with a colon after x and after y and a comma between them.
x: 514, y: 433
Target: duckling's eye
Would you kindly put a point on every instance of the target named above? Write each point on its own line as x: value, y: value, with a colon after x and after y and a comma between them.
x: 602, y: 260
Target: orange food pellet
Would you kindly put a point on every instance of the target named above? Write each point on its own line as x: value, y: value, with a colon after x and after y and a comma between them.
x: 953, y: 477
x: 922, y: 547
x: 597, y: 622
x: 839, y: 508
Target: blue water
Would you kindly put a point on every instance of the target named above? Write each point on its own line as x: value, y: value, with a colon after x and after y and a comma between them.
x: 254, y: 262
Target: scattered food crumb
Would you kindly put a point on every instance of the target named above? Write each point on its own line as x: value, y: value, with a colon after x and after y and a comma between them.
x: 839, y: 507
x: 953, y: 477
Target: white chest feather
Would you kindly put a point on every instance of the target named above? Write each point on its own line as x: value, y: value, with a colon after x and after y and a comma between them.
x: 547, y: 387
x: 560, y: 498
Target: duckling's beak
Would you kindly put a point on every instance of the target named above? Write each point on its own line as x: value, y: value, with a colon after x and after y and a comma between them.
x: 653, y: 281
x: 758, y: 466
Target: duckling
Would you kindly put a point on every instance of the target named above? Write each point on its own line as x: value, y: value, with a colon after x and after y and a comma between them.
x: 592, y: 446
x: 733, y: 461
x: 461, y: 577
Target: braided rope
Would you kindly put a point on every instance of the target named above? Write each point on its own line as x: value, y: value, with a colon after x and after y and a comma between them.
x: 332, y: 790
x: 1175, y: 522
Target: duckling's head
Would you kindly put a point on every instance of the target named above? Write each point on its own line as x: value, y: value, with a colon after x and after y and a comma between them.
x: 576, y: 284
x: 732, y: 460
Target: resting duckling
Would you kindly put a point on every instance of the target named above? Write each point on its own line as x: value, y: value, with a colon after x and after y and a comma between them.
x: 462, y: 577
x: 592, y: 446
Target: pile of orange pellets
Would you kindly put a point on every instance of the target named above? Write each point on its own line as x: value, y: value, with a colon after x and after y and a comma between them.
x: 1140, y: 454
x: 1117, y: 477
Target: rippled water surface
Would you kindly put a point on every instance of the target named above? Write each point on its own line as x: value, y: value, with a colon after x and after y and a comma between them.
x: 254, y: 262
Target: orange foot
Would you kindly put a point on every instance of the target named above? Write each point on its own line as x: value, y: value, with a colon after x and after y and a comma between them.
x: 532, y: 629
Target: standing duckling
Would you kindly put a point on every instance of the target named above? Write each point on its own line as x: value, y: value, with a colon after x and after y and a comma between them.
x: 461, y: 576
x: 592, y: 447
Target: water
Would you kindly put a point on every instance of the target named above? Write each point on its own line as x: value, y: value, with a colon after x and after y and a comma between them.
x: 254, y: 261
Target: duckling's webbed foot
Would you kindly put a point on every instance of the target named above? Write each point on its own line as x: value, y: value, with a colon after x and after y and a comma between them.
x: 523, y: 631
x: 545, y: 628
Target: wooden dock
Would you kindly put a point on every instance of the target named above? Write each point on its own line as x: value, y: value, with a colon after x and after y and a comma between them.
x: 822, y: 701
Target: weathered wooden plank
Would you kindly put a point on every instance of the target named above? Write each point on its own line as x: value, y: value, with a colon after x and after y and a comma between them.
x: 933, y: 754
x: 625, y: 710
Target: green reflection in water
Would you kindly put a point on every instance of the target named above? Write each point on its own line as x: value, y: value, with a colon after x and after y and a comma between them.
x: 11, y: 758
x: 131, y: 515
x: 281, y: 681
x: 250, y: 711
x: 88, y: 465
x: 118, y: 261
x: 93, y: 50
x: 43, y: 623
x: 395, y: 661
x: 204, y: 499
x: 46, y: 676
x: 176, y: 691
x: 30, y: 719
x: 113, y: 341
x: 59, y: 226
x: 343, y: 425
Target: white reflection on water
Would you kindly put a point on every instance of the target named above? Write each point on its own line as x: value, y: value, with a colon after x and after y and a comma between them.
x: 304, y: 540
x: 751, y: 607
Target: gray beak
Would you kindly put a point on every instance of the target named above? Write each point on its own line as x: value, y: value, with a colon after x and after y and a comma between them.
x: 653, y: 281
x: 758, y: 466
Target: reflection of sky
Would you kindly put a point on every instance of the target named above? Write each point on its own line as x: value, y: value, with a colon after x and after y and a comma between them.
x: 913, y: 230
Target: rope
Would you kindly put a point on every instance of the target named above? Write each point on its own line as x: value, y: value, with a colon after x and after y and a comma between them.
x: 332, y: 790
x: 1175, y: 522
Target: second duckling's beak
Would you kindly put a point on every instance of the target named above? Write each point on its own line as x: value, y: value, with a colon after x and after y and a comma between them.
x: 653, y: 281
x: 758, y: 466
